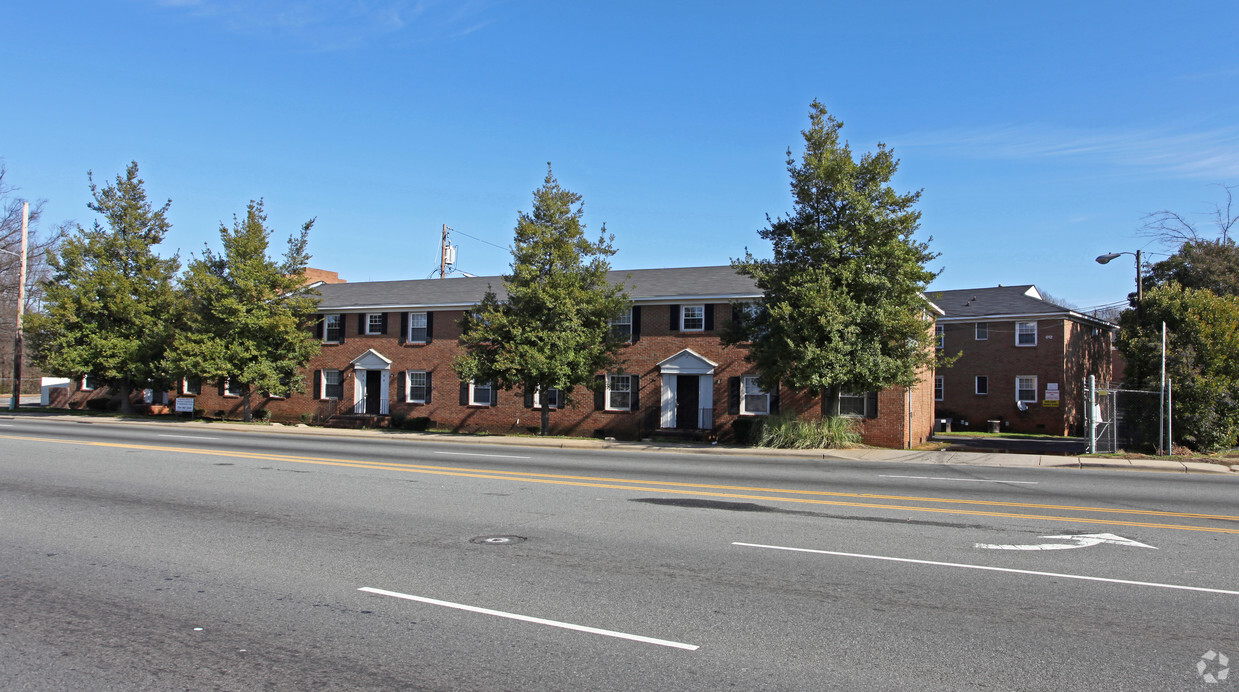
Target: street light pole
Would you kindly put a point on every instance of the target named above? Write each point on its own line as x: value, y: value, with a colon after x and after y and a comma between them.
x: 1105, y: 259
x: 15, y: 400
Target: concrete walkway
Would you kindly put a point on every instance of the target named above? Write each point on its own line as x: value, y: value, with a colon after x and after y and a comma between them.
x: 965, y: 458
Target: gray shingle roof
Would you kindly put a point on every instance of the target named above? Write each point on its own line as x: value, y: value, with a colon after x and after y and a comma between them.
x: 1000, y: 301
x: 644, y: 285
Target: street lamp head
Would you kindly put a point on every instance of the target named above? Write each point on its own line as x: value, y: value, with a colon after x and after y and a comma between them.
x: 1104, y: 259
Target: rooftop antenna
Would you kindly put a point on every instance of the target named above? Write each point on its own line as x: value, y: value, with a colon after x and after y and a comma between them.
x: 447, y: 254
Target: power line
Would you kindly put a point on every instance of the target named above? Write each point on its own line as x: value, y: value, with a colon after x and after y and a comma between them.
x: 480, y: 240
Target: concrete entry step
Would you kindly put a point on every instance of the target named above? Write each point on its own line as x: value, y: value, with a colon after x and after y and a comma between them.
x: 355, y: 421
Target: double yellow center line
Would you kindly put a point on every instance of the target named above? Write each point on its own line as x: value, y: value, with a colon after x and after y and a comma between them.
x: 938, y: 505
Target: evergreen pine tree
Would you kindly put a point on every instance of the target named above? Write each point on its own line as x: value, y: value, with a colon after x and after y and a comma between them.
x: 107, y: 305
x: 843, y: 306
x: 245, y: 317
x: 552, y: 330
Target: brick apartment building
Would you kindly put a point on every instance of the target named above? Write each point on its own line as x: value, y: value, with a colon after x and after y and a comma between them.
x: 388, y: 348
x: 1022, y: 360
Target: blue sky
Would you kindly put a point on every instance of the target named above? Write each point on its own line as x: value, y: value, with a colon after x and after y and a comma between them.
x: 1041, y: 134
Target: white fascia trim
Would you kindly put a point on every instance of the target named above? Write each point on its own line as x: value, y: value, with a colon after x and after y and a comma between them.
x: 656, y: 300
x: 1029, y: 318
x: 675, y: 300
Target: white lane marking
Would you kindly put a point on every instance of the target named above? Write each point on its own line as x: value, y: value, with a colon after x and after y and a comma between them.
x: 961, y: 480
x: 475, y: 454
x: 526, y: 618
x: 994, y: 569
x: 189, y: 437
x: 1082, y: 540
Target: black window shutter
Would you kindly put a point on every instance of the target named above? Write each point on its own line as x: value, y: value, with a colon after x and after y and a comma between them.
x: 343, y: 328
x: 636, y: 323
x: 318, y: 384
x: 494, y: 395
x: 709, y: 316
x: 600, y: 394
x: 528, y: 398
x: 636, y: 389
x: 674, y: 324
x: 430, y: 330
x: 428, y: 388
x: 223, y: 387
x: 774, y: 399
x: 383, y: 323
x: 871, y: 404
x: 735, y: 312
x: 464, y: 393
x: 361, y: 323
x: 318, y: 328
x: 403, y: 376
x: 733, y: 396
x: 404, y: 328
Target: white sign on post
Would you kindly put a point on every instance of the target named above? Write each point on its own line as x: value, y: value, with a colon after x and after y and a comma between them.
x: 184, y: 404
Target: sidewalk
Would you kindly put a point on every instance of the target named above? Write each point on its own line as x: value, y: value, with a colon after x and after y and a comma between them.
x: 962, y: 458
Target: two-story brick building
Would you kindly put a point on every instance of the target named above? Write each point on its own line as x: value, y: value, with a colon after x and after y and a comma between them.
x: 388, y: 348
x: 1022, y: 360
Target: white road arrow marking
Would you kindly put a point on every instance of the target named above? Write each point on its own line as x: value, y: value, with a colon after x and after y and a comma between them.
x: 1083, y: 540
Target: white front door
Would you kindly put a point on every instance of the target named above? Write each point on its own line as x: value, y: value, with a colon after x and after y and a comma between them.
x: 668, y: 401
x: 359, y: 390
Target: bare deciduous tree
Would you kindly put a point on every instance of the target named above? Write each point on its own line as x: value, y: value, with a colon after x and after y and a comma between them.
x: 39, y: 244
x: 1173, y: 228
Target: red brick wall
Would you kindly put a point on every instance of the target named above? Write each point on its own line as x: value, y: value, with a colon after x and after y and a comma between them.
x: 657, y: 342
x: 1066, y: 351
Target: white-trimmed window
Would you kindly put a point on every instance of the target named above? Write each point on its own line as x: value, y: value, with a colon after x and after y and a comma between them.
x: 418, y: 383
x: 981, y: 384
x: 232, y: 387
x: 939, y: 336
x: 939, y: 388
x: 621, y: 326
x: 333, y: 385
x: 285, y: 390
x: 552, y: 398
x: 619, y: 393
x: 1025, y: 333
x: 417, y: 328
x: 191, y: 386
x: 855, y: 404
x: 375, y: 322
x: 333, y: 328
x: 754, y: 401
x: 88, y: 383
x: 1026, y: 389
x: 693, y: 318
x: 982, y: 331
x: 481, y: 394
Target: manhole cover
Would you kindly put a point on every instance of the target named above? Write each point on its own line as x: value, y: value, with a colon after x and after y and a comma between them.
x: 497, y: 540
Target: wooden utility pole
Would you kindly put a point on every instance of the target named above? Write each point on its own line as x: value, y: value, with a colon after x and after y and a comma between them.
x: 443, y: 254
x: 15, y: 400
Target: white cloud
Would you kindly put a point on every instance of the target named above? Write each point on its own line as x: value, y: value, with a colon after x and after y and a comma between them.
x: 1209, y: 154
x: 338, y: 24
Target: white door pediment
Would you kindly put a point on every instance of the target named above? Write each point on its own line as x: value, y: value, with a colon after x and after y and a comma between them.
x: 372, y: 360
x: 687, y: 362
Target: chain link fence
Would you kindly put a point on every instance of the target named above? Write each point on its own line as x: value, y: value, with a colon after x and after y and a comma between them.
x: 1122, y: 419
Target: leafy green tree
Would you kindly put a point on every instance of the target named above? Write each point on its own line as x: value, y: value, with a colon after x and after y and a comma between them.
x: 843, y: 306
x: 246, y: 317
x: 108, y: 302
x: 1212, y: 265
x: 1202, y: 338
x: 551, y: 331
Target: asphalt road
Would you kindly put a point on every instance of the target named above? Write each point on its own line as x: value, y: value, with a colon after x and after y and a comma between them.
x: 151, y: 558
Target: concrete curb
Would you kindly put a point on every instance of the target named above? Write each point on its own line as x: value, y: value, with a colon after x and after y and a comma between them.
x: 941, y: 458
